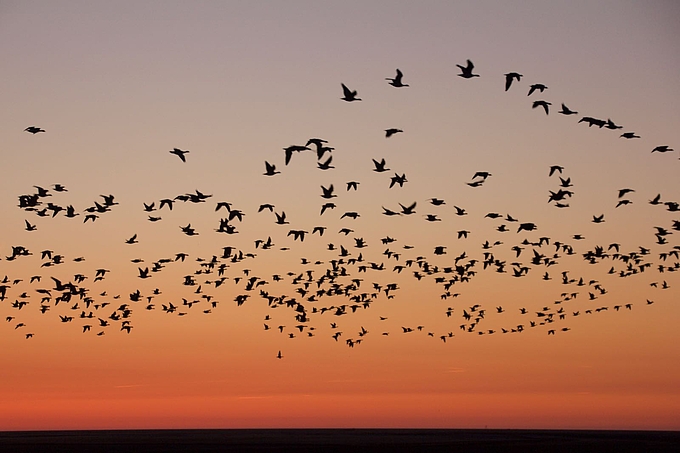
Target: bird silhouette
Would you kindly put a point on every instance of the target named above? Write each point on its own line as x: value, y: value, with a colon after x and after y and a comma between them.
x: 611, y: 125
x: 543, y: 104
x: 352, y: 185
x: 294, y: 149
x: 349, y: 95
x: 379, y: 166
x: 325, y: 165
x: 328, y: 192
x: 536, y: 86
x: 509, y: 77
x: 408, y: 210
x: 270, y: 169
x: 281, y: 218
x: 466, y: 71
x: 396, y: 81
x: 593, y: 121
x: 567, y: 111
x: 179, y: 153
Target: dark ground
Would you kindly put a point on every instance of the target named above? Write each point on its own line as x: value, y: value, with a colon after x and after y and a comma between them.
x: 340, y: 440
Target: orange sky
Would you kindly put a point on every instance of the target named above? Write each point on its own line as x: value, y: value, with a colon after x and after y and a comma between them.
x: 118, y: 86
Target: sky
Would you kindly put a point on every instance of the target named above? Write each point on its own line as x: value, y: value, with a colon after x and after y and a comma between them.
x: 117, y: 85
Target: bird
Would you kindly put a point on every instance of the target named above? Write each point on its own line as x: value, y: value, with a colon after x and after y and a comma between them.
x: 543, y: 104
x: 326, y: 206
x: 460, y: 211
x: 132, y: 240
x: 34, y: 129
x: 281, y: 218
x: 509, y: 77
x: 349, y: 95
x: 662, y: 149
x: 179, y: 153
x: 292, y: 149
x: 396, y: 81
x: 389, y: 212
x: 481, y: 174
x: 536, y: 86
x: 623, y: 192
x: 555, y: 168
x: 629, y: 135
x: 379, y: 166
x: 297, y: 234
x: 527, y: 227
x: 391, y: 132
x: 270, y: 169
x: 325, y: 165
x: 565, y: 182
x: 327, y: 192
x: 42, y: 192
x: 398, y: 179
x: 593, y: 121
x: 466, y: 71
x: 318, y: 142
x: 611, y: 125
x: 567, y: 111
x: 408, y: 210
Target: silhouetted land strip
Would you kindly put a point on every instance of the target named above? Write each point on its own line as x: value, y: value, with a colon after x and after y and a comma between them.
x: 337, y: 440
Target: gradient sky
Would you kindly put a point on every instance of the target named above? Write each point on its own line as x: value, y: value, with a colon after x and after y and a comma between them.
x: 116, y: 85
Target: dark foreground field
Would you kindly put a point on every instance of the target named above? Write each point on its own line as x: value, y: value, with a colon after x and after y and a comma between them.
x: 337, y: 440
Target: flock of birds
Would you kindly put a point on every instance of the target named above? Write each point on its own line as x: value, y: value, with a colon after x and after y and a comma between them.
x: 351, y: 275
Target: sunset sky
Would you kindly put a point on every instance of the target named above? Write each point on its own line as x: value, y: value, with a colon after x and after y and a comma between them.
x: 117, y: 85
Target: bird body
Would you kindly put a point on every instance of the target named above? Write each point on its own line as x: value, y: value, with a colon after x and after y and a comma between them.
x: 179, y: 153
x: 567, y: 111
x: 466, y: 71
x: 543, y: 104
x: 536, y: 86
x: 270, y: 169
x: 509, y: 77
x: 349, y: 95
x: 397, y: 80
